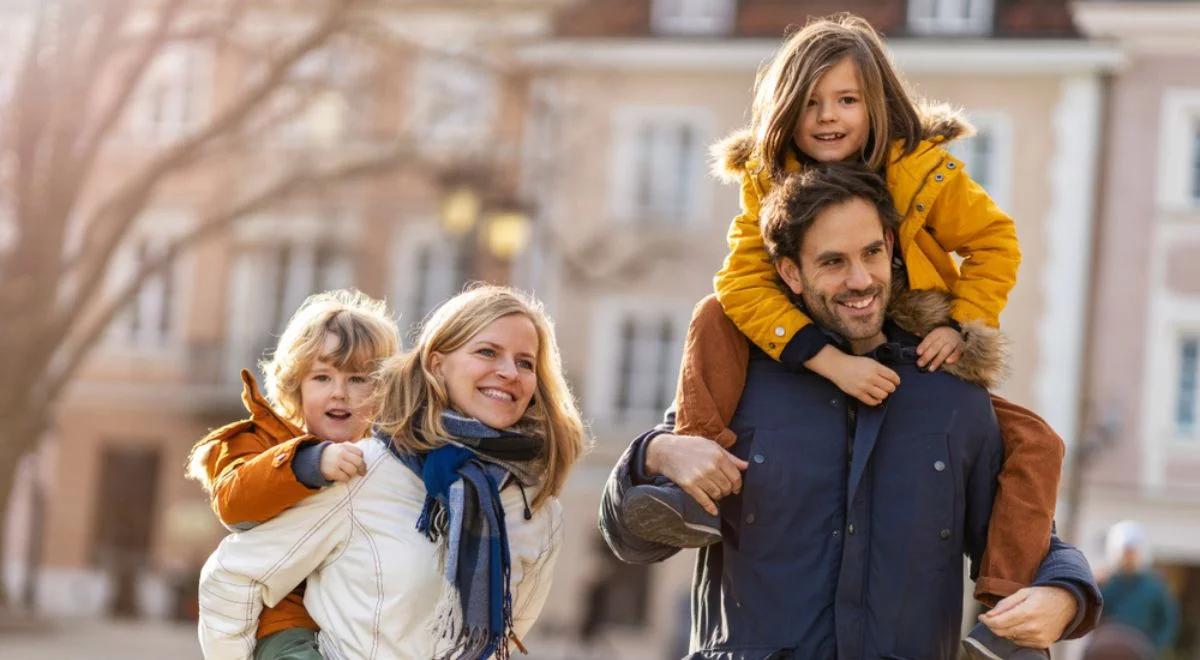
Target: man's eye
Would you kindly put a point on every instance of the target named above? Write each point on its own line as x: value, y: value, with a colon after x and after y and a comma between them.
x: 831, y: 262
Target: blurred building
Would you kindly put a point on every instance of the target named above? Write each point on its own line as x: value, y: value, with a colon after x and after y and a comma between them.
x: 634, y: 92
x: 1142, y: 428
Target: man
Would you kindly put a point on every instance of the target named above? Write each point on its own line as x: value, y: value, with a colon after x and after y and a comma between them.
x: 1134, y: 594
x: 846, y: 535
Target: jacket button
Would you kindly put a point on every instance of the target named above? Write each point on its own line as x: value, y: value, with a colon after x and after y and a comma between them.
x: 779, y: 331
x: 759, y: 458
x: 939, y: 466
x: 279, y: 460
x: 750, y: 519
x: 920, y: 207
x: 837, y: 533
x: 833, y: 402
x: 938, y: 177
x: 951, y: 165
x: 944, y: 534
x: 850, y: 529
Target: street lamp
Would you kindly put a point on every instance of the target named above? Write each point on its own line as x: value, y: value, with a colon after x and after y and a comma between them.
x: 490, y: 233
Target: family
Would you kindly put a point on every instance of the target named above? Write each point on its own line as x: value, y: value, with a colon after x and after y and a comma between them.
x: 833, y: 451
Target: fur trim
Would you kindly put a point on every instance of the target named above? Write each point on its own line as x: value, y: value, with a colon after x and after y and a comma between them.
x: 939, y: 121
x: 729, y: 155
x: 985, y: 349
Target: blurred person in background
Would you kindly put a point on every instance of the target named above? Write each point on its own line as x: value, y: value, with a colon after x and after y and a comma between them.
x: 1134, y: 595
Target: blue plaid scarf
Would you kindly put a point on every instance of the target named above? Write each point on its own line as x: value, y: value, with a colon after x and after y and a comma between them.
x: 462, y: 505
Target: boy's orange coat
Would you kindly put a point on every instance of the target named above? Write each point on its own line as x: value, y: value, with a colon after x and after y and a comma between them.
x: 249, y: 470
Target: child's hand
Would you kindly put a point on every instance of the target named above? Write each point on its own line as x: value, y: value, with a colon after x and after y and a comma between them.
x: 860, y: 377
x: 943, y: 344
x: 342, y: 462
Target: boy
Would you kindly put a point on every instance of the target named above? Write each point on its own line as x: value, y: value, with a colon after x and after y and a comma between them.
x: 320, y: 387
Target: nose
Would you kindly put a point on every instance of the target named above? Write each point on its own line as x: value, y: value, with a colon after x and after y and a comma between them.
x: 825, y: 112
x: 339, y: 388
x: 506, y: 369
x: 858, y: 278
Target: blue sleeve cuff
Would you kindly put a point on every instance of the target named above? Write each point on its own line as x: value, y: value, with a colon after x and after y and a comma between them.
x: 306, y: 464
x: 803, y: 346
x: 637, y: 467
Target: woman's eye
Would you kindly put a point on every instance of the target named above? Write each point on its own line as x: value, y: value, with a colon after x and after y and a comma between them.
x: 487, y: 352
x: 525, y: 364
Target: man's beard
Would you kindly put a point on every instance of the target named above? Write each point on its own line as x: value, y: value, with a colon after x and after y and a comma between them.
x: 824, y: 310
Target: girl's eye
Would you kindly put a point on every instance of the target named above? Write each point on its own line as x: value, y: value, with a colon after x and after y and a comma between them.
x: 849, y: 100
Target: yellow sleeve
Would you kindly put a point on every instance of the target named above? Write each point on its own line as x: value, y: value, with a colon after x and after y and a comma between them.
x: 747, y: 285
x: 966, y: 220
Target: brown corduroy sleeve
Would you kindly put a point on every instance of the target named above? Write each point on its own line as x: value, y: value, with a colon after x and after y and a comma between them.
x: 254, y: 484
x: 712, y: 376
x: 1023, y: 512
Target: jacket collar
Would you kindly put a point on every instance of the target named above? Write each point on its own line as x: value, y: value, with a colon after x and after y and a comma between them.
x: 261, y: 411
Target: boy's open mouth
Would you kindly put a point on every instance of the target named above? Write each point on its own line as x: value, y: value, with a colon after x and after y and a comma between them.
x: 340, y: 415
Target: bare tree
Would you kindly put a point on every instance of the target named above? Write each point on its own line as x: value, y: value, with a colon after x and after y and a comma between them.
x: 85, y: 64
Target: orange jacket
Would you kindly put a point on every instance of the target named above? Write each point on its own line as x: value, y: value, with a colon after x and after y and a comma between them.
x: 246, y: 466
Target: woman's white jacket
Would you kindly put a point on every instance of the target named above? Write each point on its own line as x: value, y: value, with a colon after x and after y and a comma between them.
x: 373, y: 579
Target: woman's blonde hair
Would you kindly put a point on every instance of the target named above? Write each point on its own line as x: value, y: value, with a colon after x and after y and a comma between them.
x: 413, y: 399
x: 366, y: 336
x: 785, y: 85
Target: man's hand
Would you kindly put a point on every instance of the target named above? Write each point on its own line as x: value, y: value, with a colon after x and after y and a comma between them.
x: 1034, y: 616
x: 943, y: 344
x: 701, y: 467
x: 342, y: 462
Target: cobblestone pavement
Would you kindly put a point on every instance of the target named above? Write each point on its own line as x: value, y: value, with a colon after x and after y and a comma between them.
x: 101, y: 640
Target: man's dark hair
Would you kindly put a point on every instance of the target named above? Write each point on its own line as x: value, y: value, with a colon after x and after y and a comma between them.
x: 793, y: 205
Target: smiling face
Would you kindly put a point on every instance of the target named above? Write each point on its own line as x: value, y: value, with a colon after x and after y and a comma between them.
x: 834, y: 125
x: 335, y: 403
x: 843, y: 272
x: 492, y: 377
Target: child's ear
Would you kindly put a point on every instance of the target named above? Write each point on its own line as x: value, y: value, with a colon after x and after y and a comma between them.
x: 789, y: 272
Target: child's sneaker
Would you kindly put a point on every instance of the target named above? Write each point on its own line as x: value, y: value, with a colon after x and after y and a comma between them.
x: 667, y: 515
x: 983, y: 644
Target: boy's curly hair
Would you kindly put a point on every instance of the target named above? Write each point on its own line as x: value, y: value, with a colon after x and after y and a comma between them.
x: 366, y: 336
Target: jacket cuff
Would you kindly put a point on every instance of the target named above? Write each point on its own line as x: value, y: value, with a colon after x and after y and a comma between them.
x: 306, y: 464
x: 637, y: 467
x: 807, y: 342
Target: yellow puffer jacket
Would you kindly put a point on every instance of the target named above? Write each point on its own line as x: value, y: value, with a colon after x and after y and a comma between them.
x: 942, y: 210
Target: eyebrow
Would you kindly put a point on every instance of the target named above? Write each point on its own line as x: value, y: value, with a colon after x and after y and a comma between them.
x: 851, y: 90
x: 830, y: 254
x: 492, y: 344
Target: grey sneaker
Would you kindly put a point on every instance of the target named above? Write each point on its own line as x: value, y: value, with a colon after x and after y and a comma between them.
x: 983, y: 644
x: 667, y: 515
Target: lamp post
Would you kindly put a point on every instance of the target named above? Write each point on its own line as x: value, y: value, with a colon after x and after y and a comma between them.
x: 490, y: 231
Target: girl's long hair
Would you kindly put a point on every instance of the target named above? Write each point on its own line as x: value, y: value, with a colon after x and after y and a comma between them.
x: 413, y: 399
x: 785, y: 85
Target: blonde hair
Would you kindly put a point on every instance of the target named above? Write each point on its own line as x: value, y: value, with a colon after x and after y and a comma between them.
x: 785, y: 85
x: 412, y: 399
x: 366, y: 336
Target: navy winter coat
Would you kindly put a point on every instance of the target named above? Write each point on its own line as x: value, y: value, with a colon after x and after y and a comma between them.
x: 847, y: 538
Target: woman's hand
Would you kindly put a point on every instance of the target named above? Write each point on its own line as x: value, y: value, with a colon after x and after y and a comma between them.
x: 863, y: 378
x: 342, y: 462
x: 701, y: 467
x: 943, y: 344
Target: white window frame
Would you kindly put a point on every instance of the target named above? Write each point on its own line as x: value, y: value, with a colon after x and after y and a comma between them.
x: 604, y: 363
x: 1186, y: 435
x: 624, y: 178
x: 183, y: 73
x: 455, y: 103
x: 14, y: 35
x: 998, y: 127
x: 255, y: 272
x: 155, y: 230
x: 965, y: 17
x: 414, y: 293
x: 693, y: 17
x: 1177, y: 157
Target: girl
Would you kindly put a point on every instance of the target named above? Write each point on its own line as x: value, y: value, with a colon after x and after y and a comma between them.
x: 445, y: 547
x: 832, y: 94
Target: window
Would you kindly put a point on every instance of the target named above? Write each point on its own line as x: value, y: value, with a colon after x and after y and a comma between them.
x: 152, y: 317
x: 453, y: 102
x: 313, y: 102
x: 149, y: 318
x: 279, y: 263
x: 950, y: 16
x: 659, y: 165
x: 1189, y: 376
x: 693, y: 17
x: 435, y: 278
x: 1179, y: 150
x: 988, y: 155
x: 1194, y: 184
x: 173, y: 95
x: 14, y: 38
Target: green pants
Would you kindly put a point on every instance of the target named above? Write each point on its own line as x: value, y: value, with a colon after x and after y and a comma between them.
x: 290, y: 644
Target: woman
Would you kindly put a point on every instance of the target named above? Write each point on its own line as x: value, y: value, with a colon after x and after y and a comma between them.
x: 445, y: 547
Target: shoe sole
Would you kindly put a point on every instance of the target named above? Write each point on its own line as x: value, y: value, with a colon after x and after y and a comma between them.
x: 977, y: 651
x: 655, y: 520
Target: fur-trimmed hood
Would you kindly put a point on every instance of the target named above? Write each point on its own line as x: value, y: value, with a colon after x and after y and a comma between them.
x: 940, y: 123
x: 984, y: 358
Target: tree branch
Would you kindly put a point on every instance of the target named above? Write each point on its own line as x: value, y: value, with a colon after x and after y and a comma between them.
x: 62, y: 371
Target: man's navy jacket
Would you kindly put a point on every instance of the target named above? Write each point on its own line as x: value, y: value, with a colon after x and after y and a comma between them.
x: 847, y: 539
